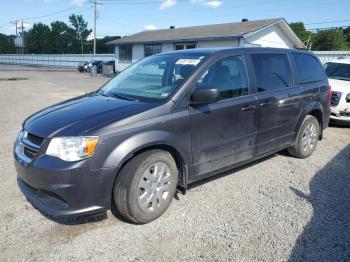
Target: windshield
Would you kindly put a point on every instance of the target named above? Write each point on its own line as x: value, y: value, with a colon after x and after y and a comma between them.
x: 338, y: 71
x: 154, y: 78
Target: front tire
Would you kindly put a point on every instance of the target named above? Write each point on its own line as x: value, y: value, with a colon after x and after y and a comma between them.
x: 307, y: 138
x: 146, y: 186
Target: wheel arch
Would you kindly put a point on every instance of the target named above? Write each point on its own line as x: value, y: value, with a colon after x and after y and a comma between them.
x: 313, y: 109
x: 162, y: 140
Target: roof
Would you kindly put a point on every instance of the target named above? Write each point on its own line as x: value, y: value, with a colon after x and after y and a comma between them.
x: 251, y: 50
x: 196, y: 33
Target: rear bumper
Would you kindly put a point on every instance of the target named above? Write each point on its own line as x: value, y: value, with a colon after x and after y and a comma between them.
x: 61, y: 189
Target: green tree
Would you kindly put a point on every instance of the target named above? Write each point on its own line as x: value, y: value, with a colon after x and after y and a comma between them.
x: 81, y: 31
x: 38, y: 39
x: 346, y: 32
x: 61, y: 36
x: 6, y: 44
x: 101, y: 47
x: 304, y: 35
x: 329, y: 40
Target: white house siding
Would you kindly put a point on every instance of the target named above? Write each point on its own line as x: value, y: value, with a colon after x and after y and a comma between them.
x: 166, y: 47
x: 138, y: 52
x: 269, y: 37
x: 217, y: 43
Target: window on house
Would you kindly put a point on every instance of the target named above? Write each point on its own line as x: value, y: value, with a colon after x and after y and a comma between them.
x: 151, y: 49
x: 125, y: 52
x: 181, y: 46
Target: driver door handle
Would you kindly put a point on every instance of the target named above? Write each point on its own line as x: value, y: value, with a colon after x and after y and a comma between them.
x: 248, y: 108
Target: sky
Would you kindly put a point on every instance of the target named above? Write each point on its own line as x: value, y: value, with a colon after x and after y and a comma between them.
x: 124, y: 17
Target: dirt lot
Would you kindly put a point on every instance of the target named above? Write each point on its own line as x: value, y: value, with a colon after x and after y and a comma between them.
x: 280, y: 208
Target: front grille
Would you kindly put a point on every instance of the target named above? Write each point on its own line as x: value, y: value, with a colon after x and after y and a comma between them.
x: 335, y: 98
x: 343, y: 113
x: 28, y: 152
x: 31, y: 145
x: 34, y: 139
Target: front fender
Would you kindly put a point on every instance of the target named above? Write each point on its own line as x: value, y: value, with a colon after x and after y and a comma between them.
x: 136, y: 143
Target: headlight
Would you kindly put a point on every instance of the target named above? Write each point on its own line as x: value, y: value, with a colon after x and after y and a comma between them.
x: 72, y: 148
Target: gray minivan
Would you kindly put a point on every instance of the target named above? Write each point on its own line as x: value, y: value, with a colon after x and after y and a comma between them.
x: 165, y: 122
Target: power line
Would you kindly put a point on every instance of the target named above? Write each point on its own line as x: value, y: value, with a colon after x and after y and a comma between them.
x: 54, y: 13
x: 327, y: 22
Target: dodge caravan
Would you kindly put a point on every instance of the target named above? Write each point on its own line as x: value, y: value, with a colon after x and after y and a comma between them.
x: 165, y: 122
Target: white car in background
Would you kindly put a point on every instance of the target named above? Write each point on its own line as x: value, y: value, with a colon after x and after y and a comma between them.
x: 338, y: 72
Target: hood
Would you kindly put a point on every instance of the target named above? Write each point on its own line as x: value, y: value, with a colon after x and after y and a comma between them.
x: 342, y: 86
x: 78, y: 115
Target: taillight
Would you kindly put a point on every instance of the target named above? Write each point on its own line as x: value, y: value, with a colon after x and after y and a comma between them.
x: 329, y: 94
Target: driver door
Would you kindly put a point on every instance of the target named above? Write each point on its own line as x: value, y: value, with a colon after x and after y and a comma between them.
x: 223, y: 133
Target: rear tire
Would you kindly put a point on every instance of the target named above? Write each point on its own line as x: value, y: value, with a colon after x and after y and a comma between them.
x: 307, y: 138
x: 146, y: 186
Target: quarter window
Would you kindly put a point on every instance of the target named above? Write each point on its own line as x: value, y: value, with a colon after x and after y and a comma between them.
x: 151, y: 49
x: 228, y: 75
x: 272, y: 71
x: 309, y: 68
x: 125, y: 52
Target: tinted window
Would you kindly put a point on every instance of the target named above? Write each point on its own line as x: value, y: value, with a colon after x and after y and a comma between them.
x: 272, y: 71
x: 228, y: 76
x: 309, y: 68
x: 151, y: 49
x: 125, y: 52
x: 338, y: 71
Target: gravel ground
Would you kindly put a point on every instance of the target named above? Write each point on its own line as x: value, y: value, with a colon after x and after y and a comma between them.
x: 279, y: 208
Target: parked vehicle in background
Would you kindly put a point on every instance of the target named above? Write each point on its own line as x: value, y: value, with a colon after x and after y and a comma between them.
x: 338, y: 72
x: 169, y: 120
x: 91, y: 64
x: 100, y: 66
x: 82, y: 67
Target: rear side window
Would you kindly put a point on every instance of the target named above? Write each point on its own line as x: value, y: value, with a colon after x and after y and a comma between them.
x: 272, y: 71
x: 309, y: 68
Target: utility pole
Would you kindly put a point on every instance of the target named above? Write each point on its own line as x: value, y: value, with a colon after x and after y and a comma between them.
x: 95, y: 17
x: 22, y: 36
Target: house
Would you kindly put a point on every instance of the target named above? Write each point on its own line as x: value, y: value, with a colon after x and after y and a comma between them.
x: 263, y: 33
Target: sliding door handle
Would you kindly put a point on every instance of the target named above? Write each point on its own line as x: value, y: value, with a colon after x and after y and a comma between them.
x: 266, y: 103
x: 248, y: 108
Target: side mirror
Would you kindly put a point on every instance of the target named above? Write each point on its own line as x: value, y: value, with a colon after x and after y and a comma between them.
x: 204, y: 96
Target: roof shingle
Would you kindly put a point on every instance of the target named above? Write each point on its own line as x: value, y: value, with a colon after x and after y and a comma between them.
x: 227, y: 30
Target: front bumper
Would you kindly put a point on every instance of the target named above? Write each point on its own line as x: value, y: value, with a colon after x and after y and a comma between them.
x: 64, y: 189
x: 338, y: 115
x: 340, y: 119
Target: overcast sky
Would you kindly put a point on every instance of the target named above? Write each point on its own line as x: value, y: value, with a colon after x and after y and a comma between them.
x: 123, y: 17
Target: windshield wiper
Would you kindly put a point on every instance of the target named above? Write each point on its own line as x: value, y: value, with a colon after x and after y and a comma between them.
x: 124, y: 97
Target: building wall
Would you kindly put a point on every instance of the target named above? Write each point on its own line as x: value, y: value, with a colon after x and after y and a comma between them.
x: 269, y: 37
x: 138, y: 52
x: 167, y: 47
